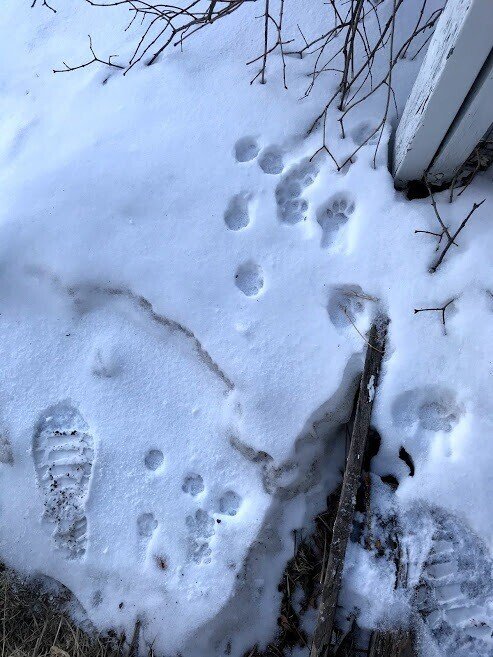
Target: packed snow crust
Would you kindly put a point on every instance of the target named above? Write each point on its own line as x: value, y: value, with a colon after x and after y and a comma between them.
x: 182, y: 297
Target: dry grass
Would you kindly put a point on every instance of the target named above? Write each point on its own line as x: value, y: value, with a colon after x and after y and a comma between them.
x: 303, y: 576
x: 35, y: 623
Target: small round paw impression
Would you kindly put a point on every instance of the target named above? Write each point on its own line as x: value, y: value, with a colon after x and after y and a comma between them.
x: 346, y: 303
x: 193, y: 484
x: 237, y: 215
x: 246, y: 149
x: 271, y: 161
x: 332, y: 216
x: 153, y: 459
x: 146, y: 524
x: 249, y: 279
x: 229, y: 503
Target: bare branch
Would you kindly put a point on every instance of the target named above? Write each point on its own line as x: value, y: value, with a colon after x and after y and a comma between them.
x: 94, y: 59
x: 453, y: 238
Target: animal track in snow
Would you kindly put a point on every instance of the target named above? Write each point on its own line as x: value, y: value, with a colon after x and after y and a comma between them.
x: 237, y: 215
x: 153, y: 459
x: 431, y: 408
x: 346, y: 303
x: 332, y: 216
x: 291, y: 207
x: 229, y: 503
x: 249, y: 278
x: 193, y: 484
x: 362, y: 134
x: 63, y: 453
x: 271, y: 160
x: 200, y: 528
x: 455, y: 591
x: 246, y: 149
x: 146, y: 525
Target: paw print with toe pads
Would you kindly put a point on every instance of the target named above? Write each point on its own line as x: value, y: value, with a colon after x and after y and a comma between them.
x: 200, y: 527
x: 193, y: 484
x: 430, y: 408
x: 332, y: 216
x: 229, y: 503
x: 291, y: 207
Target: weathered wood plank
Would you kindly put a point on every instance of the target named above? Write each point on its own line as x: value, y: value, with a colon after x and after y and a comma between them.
x: 352, y: 475
x: 399, y: 643
x: 458, y: 50
x: 471, y: 124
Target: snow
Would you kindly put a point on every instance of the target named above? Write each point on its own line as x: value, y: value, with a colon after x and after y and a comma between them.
x: 173, y: 292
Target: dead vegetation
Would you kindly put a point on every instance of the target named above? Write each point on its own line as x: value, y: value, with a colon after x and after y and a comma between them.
x: 35, y: 623
x: 302, y: 581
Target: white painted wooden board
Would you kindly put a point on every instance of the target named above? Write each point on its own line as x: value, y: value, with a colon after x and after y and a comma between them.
x: 458, y: 50
x: 472, y: 123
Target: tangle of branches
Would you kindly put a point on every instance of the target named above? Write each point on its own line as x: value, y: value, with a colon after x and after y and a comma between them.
x: 360, y: 45
x: 365, y: 32
x: 168, y: 24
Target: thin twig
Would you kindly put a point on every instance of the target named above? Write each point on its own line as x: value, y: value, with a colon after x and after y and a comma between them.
x: 454, y: 236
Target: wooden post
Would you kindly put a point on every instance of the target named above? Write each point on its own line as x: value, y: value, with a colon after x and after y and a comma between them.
x: 352, y: 475
x: 457, y: 53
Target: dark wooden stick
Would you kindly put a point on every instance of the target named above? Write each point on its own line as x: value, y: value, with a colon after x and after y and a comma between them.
x: 452, y: 239
x: 344, y: 519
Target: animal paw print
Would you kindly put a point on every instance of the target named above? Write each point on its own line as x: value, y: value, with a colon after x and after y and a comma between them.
x: 246, y: 149
x: 153, y: 459
x: 237, y: 215
x: 249, y: 279
x: 332, y: 216
x: 63, y: 453
x: 291, y: 207
x: 271, y: 160
x: 200, y: 529
x: 193, y: 484
x: 146, y: 526
x: 229, y: 503
x: 201, y: 524
x: 346, y: 304
x: 430, y: 408
x: 455, y: 589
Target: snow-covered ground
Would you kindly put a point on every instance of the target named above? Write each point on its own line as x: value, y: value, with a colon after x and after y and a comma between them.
x: 175, y: 361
